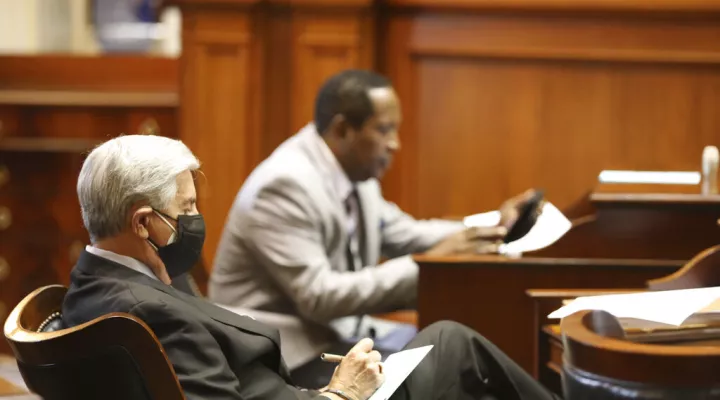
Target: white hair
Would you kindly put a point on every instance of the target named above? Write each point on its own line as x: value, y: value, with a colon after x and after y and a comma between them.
x: 122, y: 171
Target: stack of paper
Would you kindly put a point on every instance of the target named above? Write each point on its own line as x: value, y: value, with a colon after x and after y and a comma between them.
x: 550, y: 226
x: 653, y: 310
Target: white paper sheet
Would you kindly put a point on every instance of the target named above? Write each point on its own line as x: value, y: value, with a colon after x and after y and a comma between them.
x: 671, y: 307
x: 396, y: 368
x: 550, y: 226
x: 486, y: 219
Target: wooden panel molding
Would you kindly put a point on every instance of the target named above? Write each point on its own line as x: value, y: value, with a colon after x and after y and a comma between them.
x: 219, y: 111
x: 566, y: 38
x: 645, y: 6
x: 495, y: 104
x: 112, y: 73
x: 324, y: 45
x: 209, y: 4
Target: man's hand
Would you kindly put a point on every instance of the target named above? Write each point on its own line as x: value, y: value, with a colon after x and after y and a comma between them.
x: 476, y: 240
x: 510, y: 209
x: 360, y: 372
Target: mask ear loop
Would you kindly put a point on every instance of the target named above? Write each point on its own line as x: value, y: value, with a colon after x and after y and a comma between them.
x: 173, y: 237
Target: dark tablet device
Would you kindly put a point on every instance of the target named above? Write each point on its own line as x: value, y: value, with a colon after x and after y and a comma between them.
x: 528, y: 216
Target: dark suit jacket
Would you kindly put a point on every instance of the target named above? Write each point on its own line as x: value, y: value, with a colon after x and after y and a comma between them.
x: 216, y: 354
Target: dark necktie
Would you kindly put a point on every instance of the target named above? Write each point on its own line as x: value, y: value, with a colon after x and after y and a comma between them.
x: 352, y: 210
x: 354, y: 259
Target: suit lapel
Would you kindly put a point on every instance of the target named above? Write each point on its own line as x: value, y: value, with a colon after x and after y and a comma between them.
x: 307, y: 145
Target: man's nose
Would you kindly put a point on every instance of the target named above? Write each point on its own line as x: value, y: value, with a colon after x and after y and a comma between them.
x: 394, y: 143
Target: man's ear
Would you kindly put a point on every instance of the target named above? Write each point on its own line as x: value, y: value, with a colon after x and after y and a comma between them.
x: 139, y: 221
x: 339, y: 127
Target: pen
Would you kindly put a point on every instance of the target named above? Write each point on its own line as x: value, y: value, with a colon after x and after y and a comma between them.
x: 331, y: 358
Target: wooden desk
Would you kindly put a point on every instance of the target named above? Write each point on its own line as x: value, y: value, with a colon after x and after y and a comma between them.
x: 551, y: 356
x: 618, y: 241
x: 487, y: 293
x: 700, y: 271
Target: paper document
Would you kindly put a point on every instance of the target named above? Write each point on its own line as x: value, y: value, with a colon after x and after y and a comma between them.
x: 396, y: 368
x: 486, y: 219
x: 670, y: 307
x: 550, y: 226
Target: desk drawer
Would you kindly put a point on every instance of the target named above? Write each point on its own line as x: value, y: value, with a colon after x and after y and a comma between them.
x: 556, y: 355
x: 85, y: 122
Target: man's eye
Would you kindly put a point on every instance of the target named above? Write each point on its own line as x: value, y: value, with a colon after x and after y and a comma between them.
x: 384, y: 129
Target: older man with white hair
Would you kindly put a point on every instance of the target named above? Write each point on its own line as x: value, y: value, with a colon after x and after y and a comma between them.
x: 138, y: 203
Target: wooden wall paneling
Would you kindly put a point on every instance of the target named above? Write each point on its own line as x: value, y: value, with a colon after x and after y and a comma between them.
x: 325, y: 43
x: 43, y: 224
x: 110, y: 73
x: 499, y: 103
x: 693, y: 6
x: 250, y: 73
x: 221, y: 98
x: 401, y: 181
x: 53, y: 110
x: 278, y: 101
x: 86, y: 122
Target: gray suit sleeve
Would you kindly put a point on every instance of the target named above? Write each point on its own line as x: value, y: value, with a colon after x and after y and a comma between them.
x: 402, y: 234
x: 286, y: 236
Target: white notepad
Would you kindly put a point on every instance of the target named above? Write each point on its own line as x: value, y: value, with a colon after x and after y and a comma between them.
x: 650, y: 309
x: 396, y: 368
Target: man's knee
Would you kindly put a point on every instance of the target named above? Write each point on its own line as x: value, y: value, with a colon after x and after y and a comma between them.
x: 451, y: 328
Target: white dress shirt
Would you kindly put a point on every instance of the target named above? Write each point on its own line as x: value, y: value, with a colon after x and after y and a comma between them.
x: 341, y: 183
x: 346, y: 327
x: 344, y: 190
x: 122, y: 260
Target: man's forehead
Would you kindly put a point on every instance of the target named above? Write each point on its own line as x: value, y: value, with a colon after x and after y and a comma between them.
x: 384, y: 95
x: 185, y: 188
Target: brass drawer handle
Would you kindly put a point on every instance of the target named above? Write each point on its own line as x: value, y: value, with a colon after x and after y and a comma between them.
x: 4, y: 175
x: 5, y: 218
x: 4, y: 269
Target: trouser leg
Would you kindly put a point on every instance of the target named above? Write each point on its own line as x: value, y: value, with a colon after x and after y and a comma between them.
x: 465, y: 365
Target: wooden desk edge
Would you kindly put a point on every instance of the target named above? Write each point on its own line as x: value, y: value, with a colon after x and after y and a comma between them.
x: 474, y: 260
x: 572, y: 293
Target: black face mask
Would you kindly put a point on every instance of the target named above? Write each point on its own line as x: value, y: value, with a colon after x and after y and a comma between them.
x: 184, y: 252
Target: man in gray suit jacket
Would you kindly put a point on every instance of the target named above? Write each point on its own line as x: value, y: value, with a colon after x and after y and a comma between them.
x: 311, y: 217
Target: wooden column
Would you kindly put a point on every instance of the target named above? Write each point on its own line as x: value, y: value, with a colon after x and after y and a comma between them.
x: 250, y: 70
